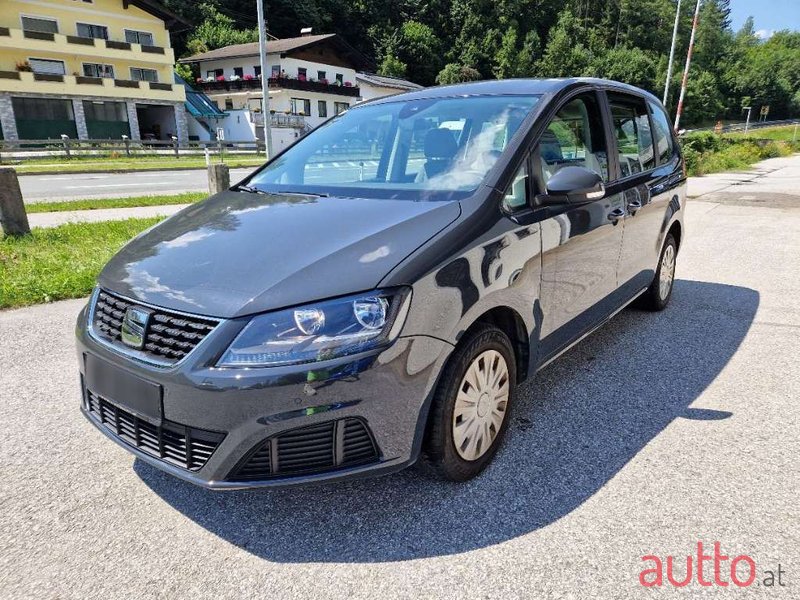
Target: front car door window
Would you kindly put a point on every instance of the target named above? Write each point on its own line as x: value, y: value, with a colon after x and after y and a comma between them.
x: 574, y: 138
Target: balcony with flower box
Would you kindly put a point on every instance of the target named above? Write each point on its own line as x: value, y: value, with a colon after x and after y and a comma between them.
x: 249, y: 83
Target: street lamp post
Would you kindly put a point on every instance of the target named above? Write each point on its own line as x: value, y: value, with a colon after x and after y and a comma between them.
x: 262, y: 51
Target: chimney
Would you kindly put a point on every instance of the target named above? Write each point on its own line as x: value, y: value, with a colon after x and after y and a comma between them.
x: 305, y: 32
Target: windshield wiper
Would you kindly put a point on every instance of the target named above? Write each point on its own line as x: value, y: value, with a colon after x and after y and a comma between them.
x: 247, y: 188
x: 316, y: 195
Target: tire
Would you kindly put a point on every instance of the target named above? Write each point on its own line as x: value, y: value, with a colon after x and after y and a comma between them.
x: 487, y: 348
x: 657, y: 296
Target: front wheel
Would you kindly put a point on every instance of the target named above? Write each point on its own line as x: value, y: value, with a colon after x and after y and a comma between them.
x: 657, y: 296
x: 469, y: 415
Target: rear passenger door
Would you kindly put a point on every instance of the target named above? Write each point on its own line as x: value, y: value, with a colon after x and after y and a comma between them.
x: 641, y: 165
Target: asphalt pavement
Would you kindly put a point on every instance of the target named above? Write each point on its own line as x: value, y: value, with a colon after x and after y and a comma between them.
x: 659, y: 431
x: 40, y: 188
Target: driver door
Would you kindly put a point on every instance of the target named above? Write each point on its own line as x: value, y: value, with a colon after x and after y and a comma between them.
x: 580, y: 243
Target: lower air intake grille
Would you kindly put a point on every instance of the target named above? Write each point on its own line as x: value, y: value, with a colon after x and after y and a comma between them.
x: 313, y: 449
x: 185, y: 447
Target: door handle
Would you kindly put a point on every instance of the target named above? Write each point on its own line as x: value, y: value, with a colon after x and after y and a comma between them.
x: 634, y: 205
x: 616, y: 214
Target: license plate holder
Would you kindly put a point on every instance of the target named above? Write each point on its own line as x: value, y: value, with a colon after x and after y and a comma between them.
x: 129, y: 392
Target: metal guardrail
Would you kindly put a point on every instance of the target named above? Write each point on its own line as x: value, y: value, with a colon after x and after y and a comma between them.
x: 69, y: 148
x: 734, y: 127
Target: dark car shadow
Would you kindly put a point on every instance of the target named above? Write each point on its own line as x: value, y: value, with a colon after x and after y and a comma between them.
x: 575, y: 426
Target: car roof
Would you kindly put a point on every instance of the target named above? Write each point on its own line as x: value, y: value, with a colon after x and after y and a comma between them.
x: 505, y: 87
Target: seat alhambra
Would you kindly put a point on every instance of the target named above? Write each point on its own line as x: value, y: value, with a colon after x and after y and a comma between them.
x: 372, y: 296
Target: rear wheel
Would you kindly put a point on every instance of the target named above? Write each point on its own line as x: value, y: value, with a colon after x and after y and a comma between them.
x: 659, y: 293
x: 469, y: 415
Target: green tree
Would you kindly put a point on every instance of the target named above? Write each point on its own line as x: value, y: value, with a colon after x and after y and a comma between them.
x: 565, y: 55
x: 454, y: 73
x: 216, y: 31
x: 392, y: 66
x: 629, y: 65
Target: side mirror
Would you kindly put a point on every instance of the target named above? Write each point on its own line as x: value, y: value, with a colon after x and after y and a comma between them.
x: 574, y: 185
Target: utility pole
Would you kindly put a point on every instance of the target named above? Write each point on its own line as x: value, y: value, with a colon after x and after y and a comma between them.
x: 688, y: 63
x: 672, y: 53
x: 262, y: 51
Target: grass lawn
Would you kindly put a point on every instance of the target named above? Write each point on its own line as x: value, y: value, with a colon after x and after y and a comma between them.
x: 90, y: 164
x: 96, y: 203
x: 779, y: 134
x: 61, y: 262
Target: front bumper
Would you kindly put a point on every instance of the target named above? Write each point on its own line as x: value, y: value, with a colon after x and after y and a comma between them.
x: 387, y: 391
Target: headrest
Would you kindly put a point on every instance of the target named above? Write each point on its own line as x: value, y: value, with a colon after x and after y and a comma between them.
x: 440, y: 143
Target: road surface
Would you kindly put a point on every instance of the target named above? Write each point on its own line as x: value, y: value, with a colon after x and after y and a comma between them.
x: 39, y: 188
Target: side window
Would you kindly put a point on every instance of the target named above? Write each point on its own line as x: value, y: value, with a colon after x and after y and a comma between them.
x: 574, y: 138
x: 663, y: 133
x: 517, y: 193
x: 632, y: 130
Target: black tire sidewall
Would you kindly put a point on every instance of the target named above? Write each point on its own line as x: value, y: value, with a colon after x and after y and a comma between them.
x: 440, y: 452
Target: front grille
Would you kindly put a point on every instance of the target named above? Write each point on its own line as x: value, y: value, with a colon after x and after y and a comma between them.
x: 185, y: 447
x: 168, y: 337
x: 314, y: 449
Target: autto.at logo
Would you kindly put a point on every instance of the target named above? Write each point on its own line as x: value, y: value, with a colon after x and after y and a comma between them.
x: 707, y: 569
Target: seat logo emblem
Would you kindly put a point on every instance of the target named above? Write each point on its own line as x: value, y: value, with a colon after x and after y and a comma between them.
x: 134, y: 326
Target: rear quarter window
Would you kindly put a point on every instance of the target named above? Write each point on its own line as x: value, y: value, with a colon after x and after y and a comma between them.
x: 663, y: 133
x: 631, y: 126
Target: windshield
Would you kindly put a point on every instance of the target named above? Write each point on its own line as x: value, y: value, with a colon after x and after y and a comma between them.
x: 436, y: 148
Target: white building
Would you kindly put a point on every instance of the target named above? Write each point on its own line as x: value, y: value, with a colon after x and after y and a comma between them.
x: 311, y: 79
x: 377, y: 86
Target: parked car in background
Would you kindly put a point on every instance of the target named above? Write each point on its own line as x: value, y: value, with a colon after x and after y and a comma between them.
x: 376, y: 292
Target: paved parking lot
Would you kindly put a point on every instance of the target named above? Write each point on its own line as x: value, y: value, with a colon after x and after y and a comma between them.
x: 659, y: 431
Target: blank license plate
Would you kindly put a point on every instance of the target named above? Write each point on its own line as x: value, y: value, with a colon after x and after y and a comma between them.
x: 119, y: 387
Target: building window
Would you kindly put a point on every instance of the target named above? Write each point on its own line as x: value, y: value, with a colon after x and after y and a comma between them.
x: 302, y: 73
x: 138, y: 74
x: 98, y: 70
x: 43, y: 109
x: 322, y: 108
x: 49, y: 67
x: 301, y: 106
x: 98, y: 32
x: 139, y: 37
x: 238, y: 72
x: 214, y: 73
x: 40, y: 25
x: 340, y: 78
x: 340, y: 107
x: 228, y: 103
x: 257, y: 70
x: 276, y: 71
x: 321, y: 75
x: 105, y: 111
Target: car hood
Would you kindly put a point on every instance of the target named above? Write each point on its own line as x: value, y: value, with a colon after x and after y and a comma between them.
x: 240, y: 253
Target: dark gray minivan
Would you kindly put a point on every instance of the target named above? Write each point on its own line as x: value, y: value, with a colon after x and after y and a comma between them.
x: 373, y: 295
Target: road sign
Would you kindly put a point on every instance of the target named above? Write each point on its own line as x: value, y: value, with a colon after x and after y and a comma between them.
x: 220, y: 133
x: 765, y: 110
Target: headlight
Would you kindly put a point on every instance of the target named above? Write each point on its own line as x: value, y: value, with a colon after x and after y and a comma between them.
x: 319, y: 331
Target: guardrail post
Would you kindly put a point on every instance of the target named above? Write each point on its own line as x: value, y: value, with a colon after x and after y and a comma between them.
x: 219, y: 178
x: 127, y: 141
x: 13, y: 218
x: 175, y: 145
x: 65, y: 141
x: 208, y: 155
